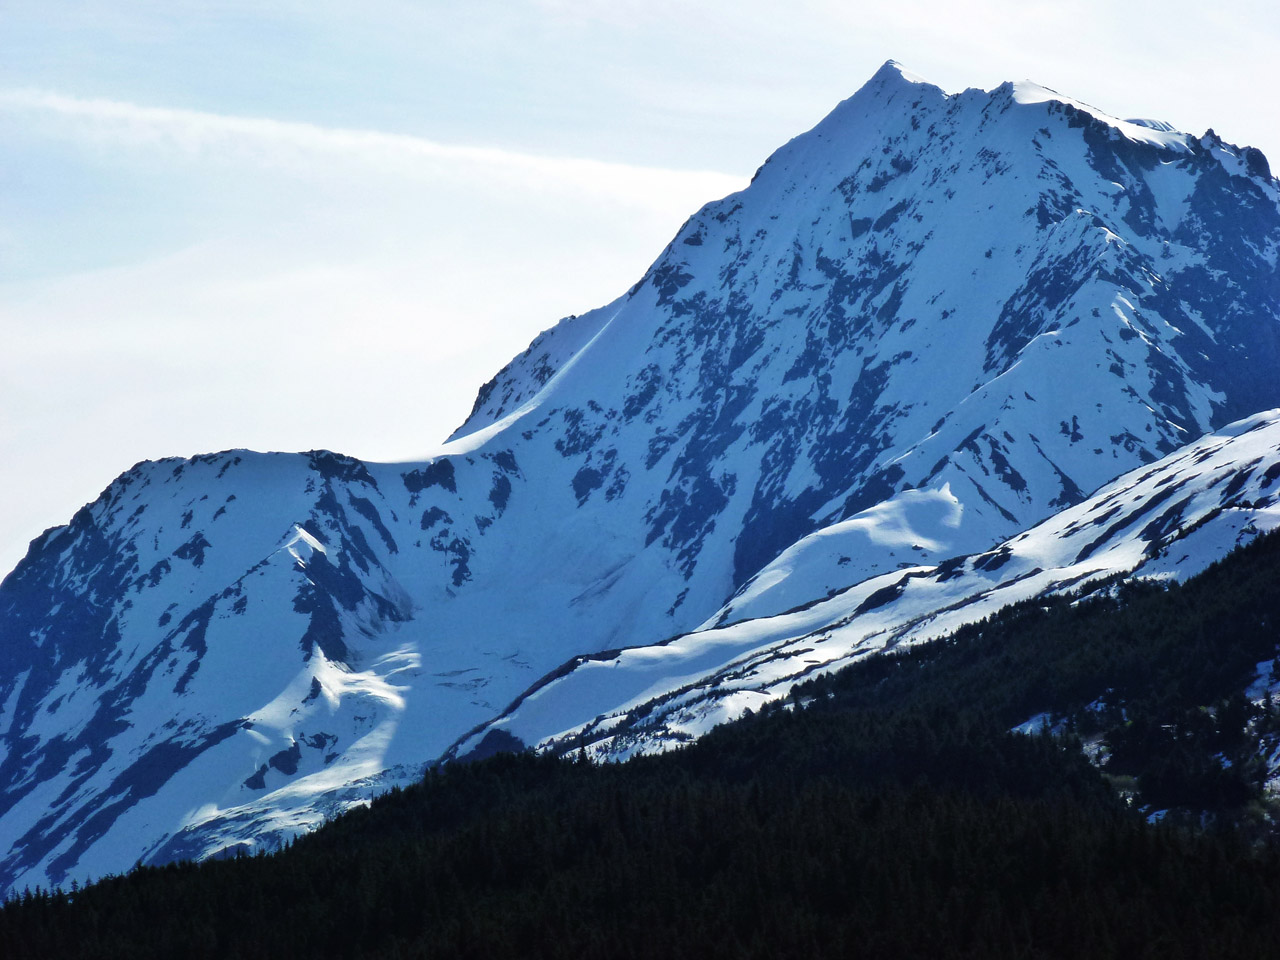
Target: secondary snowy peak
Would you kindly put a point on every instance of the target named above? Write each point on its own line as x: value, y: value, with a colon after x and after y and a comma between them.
x: 201, y: 633
x: 929, y: 322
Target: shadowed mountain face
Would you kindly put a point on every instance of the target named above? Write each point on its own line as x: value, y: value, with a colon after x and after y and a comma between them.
x: 1166, y: 521
x: 931, y: 320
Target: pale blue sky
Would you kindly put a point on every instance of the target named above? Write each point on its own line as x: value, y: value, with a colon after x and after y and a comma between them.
x: 297, y: 224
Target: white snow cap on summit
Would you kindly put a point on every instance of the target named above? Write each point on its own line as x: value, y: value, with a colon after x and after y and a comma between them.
x: 1157, y: 132
x: 892, y: 70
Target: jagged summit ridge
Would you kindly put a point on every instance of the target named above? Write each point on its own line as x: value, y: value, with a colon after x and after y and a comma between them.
x: 929, y: 323
x: 1128, y: 244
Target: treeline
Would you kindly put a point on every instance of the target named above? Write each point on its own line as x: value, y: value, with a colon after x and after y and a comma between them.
x: 884, y: 812
x: 1152, y: 676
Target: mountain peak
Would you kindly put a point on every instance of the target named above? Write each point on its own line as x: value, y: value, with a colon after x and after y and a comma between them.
x: 890, y: 80
x: 893, y: 72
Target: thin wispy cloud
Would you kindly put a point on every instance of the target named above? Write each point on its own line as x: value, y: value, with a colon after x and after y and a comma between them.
x: 296, y: 144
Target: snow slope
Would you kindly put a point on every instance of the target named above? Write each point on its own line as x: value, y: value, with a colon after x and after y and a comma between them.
x: 929, y: 323
x: 1170, y: 519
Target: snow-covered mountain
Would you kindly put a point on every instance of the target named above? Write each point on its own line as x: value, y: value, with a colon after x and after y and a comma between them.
x: 929, y: 323
x: 1167, y: 520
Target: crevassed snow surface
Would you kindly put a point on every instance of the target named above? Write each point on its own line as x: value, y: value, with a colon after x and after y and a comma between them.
x: 929, y: 323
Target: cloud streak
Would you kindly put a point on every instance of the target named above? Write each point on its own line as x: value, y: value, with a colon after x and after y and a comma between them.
x: 296, y: 144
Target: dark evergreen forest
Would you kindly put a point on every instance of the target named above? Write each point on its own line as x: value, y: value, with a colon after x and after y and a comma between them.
x: 884, y: 811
